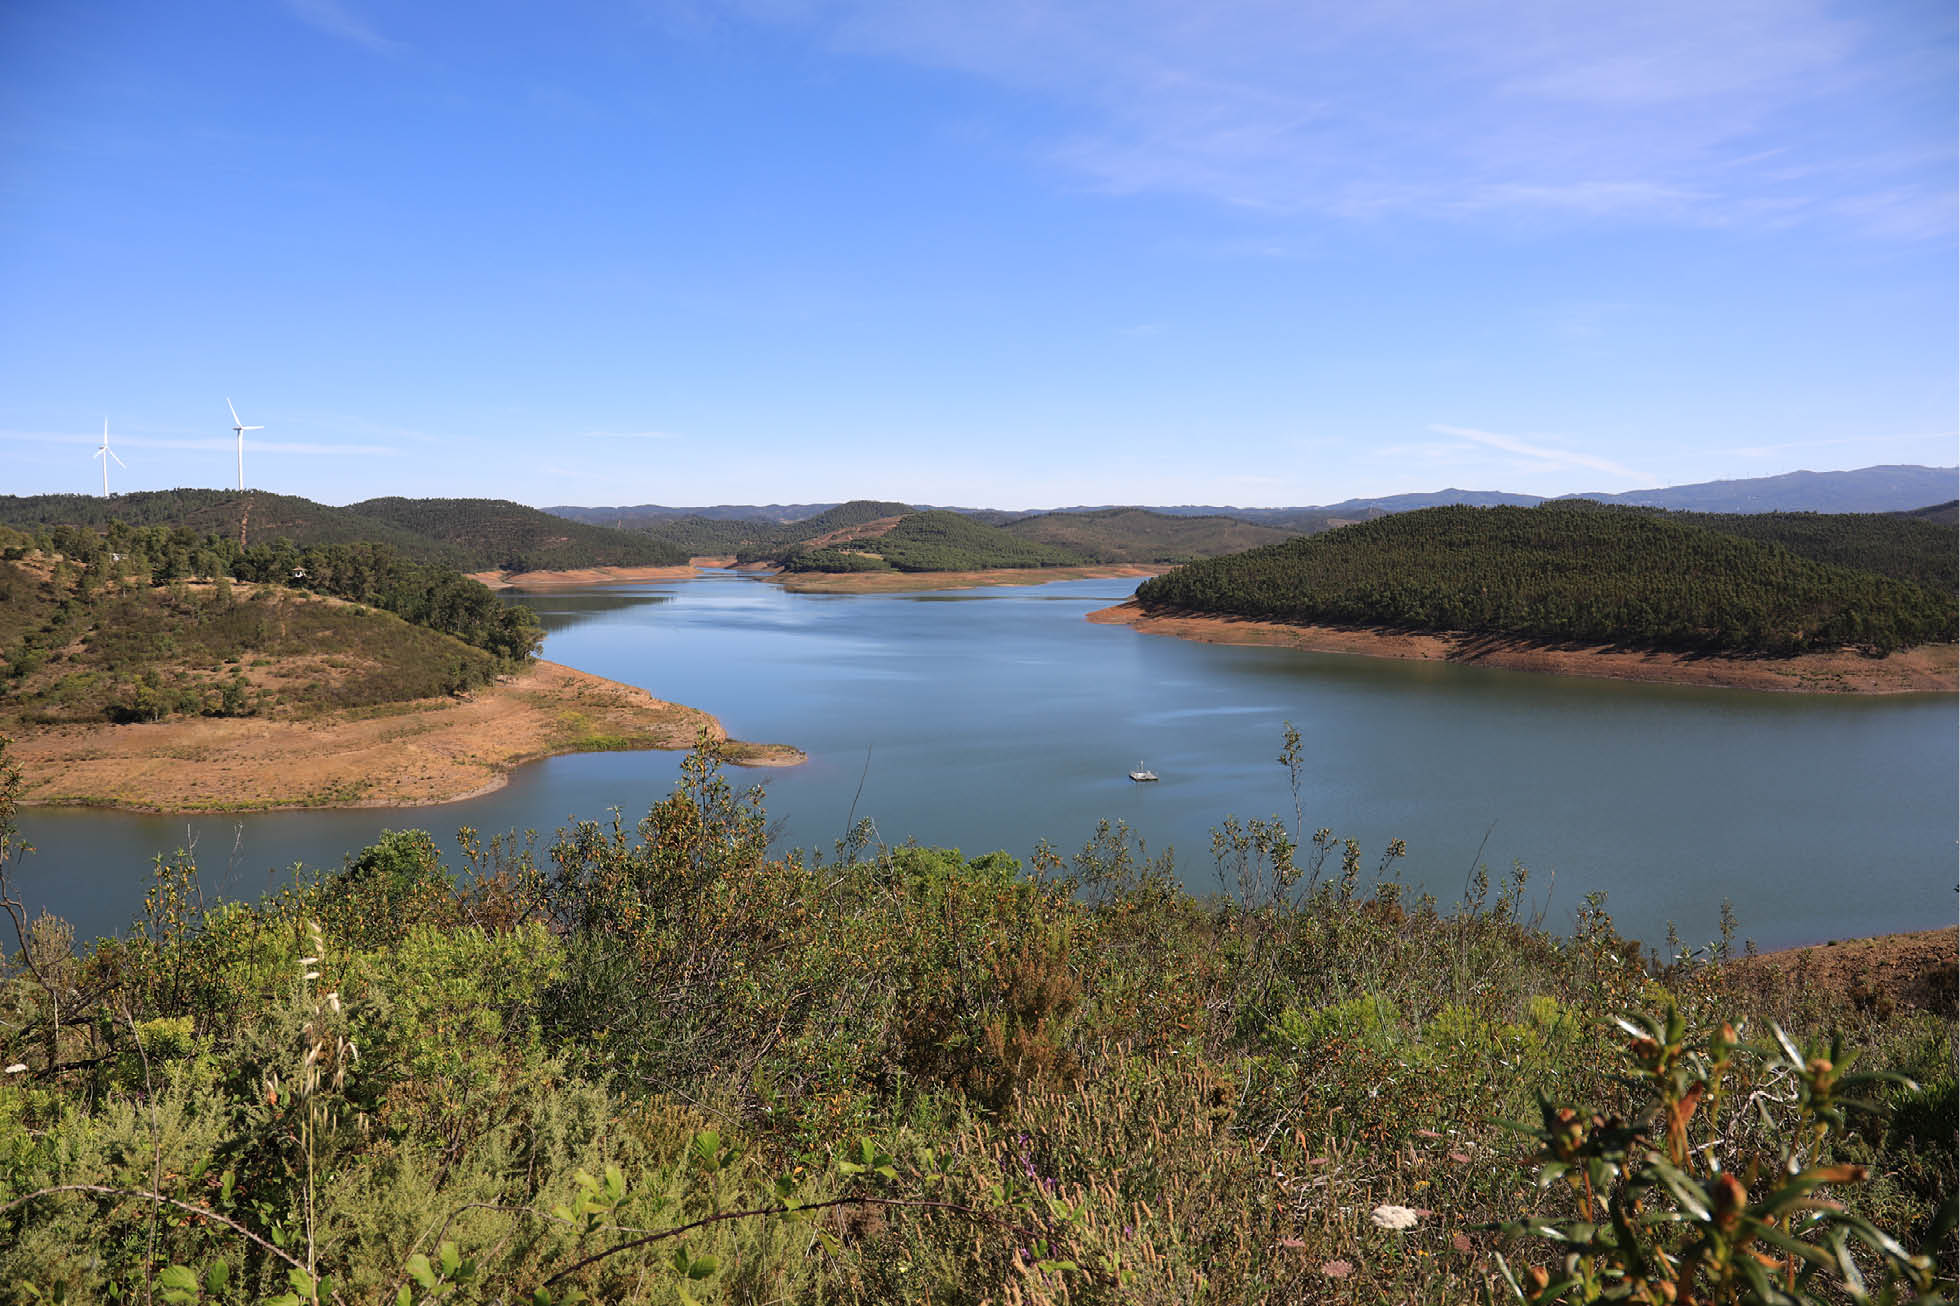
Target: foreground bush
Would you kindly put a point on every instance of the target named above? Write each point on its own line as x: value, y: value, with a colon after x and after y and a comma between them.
x: 661, y: 1064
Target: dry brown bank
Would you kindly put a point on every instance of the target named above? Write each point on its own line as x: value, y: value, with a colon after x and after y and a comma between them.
x: 1930, y: 668
x: 891, y: 582
x: 1908, y: 970
x: 525, y: 580
x: 398, y: 755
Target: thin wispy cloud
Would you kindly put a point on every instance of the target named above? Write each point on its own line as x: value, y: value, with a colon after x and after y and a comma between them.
x: 1550, y: 455
x: 1758, y: 111
x: 336, y: 19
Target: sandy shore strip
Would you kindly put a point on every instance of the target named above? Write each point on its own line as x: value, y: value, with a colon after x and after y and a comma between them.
x: 545, y: 580
x: 1930, y: 668
x: 398, y: 755
x: 896, y: 582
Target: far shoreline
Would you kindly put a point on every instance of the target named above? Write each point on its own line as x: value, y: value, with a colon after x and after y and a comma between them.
x: 1928, y: 668
x: 422, y: 753
x: 902, y: 582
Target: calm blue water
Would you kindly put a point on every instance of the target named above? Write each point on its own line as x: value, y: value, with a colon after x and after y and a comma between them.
x: 994, y: 718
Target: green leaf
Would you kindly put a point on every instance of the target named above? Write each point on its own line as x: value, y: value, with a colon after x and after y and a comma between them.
x: 179, y: 1284
x: 1816, y: 1255
x: 422, y: 1272
x: 303, y: 1284
x: 702, y: 1267
x: 450, y: 1259
x: 217, y: 1277
x: 1684, y: 1189
x: 404, y: 1296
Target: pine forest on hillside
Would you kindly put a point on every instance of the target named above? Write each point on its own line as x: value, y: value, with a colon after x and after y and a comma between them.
x: 465, y: 534
x: 1565, y: 572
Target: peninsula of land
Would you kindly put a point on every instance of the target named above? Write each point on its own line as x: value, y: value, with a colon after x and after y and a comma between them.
x: 1928, y: 668
x: 410, y: 754
x: 571, y: 578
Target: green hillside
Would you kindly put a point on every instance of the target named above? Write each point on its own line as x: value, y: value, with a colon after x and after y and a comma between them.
x: 1900, y: 545
x: 466, y: 534
x: 259, y: 516
x: 786, y: 539
x: 138, y: 625
x: 1139, y: 535
x: 930, y: 541
x: 710, y: 536
x: 1562, y: 572
x: 1945, y: 514
x: 496, y: 534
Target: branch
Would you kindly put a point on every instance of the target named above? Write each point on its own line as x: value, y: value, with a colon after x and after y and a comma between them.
x: 970, y: 1212
x: 160, y: 1199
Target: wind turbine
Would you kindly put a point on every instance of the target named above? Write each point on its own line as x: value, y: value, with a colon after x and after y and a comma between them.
x: 105, y: 453
x: 240, y: 428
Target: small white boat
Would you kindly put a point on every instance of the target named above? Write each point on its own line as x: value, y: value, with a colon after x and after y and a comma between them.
x: 1140, y: 774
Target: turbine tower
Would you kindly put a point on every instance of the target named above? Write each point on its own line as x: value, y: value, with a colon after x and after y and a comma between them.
x: 105, y: 453
x: 240, y: 428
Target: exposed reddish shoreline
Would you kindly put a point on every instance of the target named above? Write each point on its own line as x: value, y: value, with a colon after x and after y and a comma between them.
x: 1930, y: 668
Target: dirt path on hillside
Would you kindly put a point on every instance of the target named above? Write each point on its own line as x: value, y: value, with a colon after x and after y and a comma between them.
x: 398, y: 755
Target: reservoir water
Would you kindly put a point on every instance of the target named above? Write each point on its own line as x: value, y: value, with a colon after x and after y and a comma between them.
x: 985, y: 719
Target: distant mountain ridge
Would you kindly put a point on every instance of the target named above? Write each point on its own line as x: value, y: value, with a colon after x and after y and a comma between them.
x: 1889, y: 488
x: 1893, y: 488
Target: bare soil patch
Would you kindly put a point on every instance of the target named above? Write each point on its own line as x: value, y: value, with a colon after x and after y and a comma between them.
x: 528, y: 580
x: 1930, y: 668
x: 395, y: 755
x: 1905, y: 970
x: 892, y: 582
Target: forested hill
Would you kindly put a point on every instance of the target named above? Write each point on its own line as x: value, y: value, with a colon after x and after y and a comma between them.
x: 1139, y: 535
x: 140, y: 624
x: 858, y: 517
x: 867, y: 535
x: 466, y: 534
x: 501, y: 535
x: 254, y: 514
x: 1904, y: 546
x: 1564, y: 572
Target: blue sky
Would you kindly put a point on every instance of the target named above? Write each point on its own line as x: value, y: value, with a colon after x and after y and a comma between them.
x: 1018, y: 254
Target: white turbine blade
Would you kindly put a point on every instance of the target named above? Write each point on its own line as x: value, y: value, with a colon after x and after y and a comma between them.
x: 118, y: 457
x: 251, y: 428
x: 234, y: 412
x: 104, y: 449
